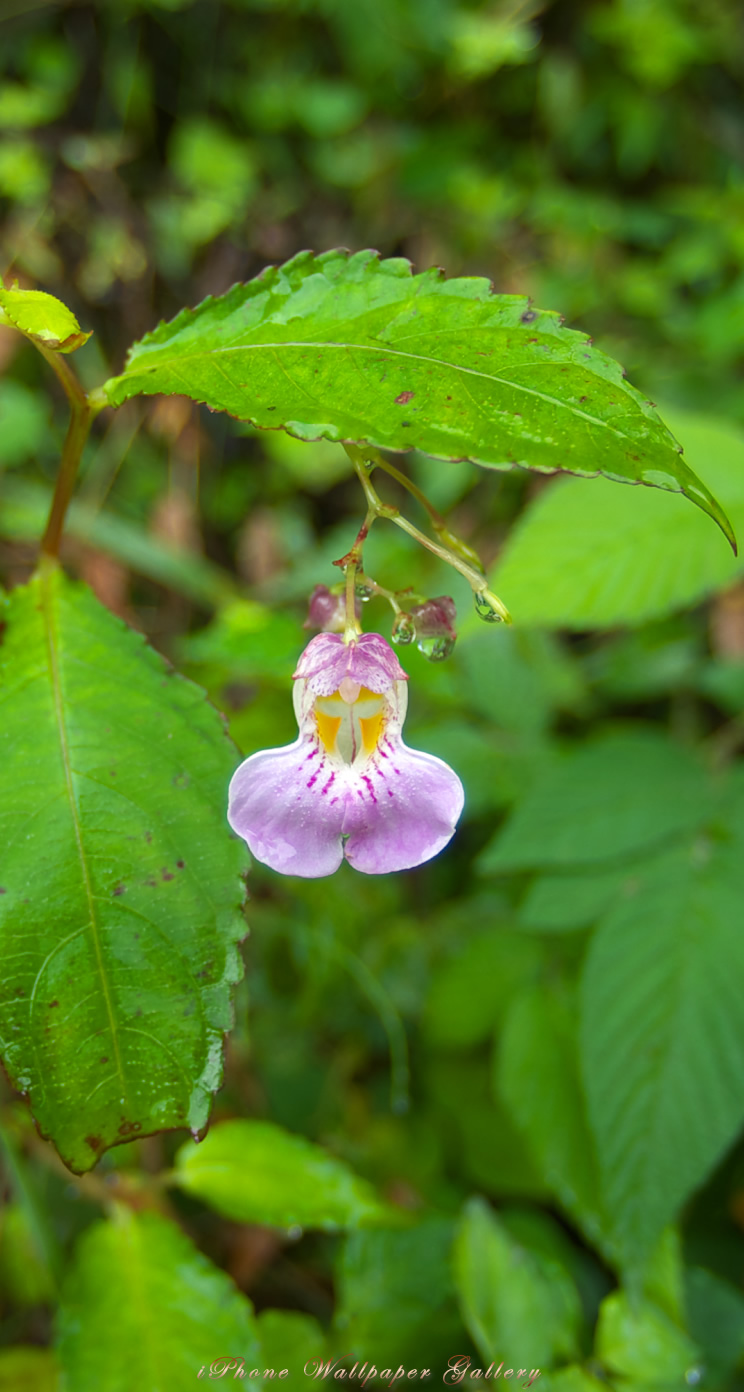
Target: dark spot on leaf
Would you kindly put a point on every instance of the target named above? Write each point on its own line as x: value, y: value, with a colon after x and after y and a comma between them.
x: 120, y: 888
x: 271, y: 408
x: 151, y: 882
x: 529, y: 316
x: 583, y: 398
x: 148, y: 837
x: 52, y: 1004
x: 165, y: 874
x: 180, y: 865
x: 103, y: 1058
x: 127, y: 1127
x: 95, y: 1142
x: 404, y: 397
x: 3, y: 891
x: 406, y: 424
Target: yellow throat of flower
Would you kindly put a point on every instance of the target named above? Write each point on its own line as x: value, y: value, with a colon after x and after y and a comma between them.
x: 350, y: 729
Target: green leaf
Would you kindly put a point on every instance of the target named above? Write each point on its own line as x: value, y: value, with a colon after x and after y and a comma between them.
x: 567, y: 903
x: 518, y: 1306
x: 396, y: 1293
x: 462, y: 1007
x: 28, y: 1368
x: 639, y: 1342
x: 537, y: 1075
x: 477, y: 1129
x: 143, y: 1308
x: 572, y: 1379
x: 288, y: 1339
x: 25, y: 1275
x: 663, y: 1276
x: 619, y: 793
x: 716, y: 1318
x: 119, y: 910
x: 663, y: 1037
x: 42, y: 317
x: 246, y: 641
x: 254, y: 1172
x: 585, y: 556
x: 344, y: 347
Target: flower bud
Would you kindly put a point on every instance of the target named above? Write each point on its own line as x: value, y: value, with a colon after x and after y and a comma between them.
x: 326, y: 611
x: 435, y: 618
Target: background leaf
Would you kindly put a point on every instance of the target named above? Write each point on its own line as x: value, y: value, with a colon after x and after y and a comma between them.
x: 396, y: 1292
x: 289, y: 1339
x: 350, y: 347
x: 566, y: 903
x: 143, y: 1308
x: 621, y: 792
x: 639, y: 1342
x: 517, y: 1305
x: 255, y: 1172
x: 663, y: 1037
x: 119, y: 917
x: 587, y: 557
x: 537, y: 1074
x: 716, y: 1318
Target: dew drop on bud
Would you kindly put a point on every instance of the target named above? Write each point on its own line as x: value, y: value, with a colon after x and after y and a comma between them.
x: 404, y: 630
x: 436, y: 649
x: 486, y: 609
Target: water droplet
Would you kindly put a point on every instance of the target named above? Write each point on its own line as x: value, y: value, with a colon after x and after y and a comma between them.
x: 363, y: 590
x: 436, y: 649
x: 487, y: 608
x: 404, y: 629
x: 294, y: 1233
x: 694, y: 1375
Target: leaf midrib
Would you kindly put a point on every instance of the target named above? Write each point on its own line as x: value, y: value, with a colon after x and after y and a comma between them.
x: 55, y: 680
x: 172, y: 364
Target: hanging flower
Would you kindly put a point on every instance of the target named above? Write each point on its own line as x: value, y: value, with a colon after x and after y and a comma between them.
x: 348, y: 786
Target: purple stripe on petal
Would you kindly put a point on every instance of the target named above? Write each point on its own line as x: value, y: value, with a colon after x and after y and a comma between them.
x: 412, y: 824
x: 287, y: 823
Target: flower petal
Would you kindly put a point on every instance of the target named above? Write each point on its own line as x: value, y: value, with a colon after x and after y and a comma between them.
x: 282, y: 804
x: 404, y: 812
x: 367, y: 660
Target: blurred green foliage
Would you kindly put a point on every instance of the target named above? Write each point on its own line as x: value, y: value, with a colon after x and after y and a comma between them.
x: 438, y: 1031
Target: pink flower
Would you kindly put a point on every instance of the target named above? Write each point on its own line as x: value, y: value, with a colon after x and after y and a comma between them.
x: 348, y: 786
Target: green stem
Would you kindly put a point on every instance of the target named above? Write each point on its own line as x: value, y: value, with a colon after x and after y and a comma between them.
x: 83, y: 410
x: 472, y: 573
x: 352, y: 628
x: 451, y: 542
x: 380, y: 462
x: 351, y: 564
x: 474, y: 577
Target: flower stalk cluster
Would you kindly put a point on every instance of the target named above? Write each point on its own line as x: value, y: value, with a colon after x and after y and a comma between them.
x: 447, y: 547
